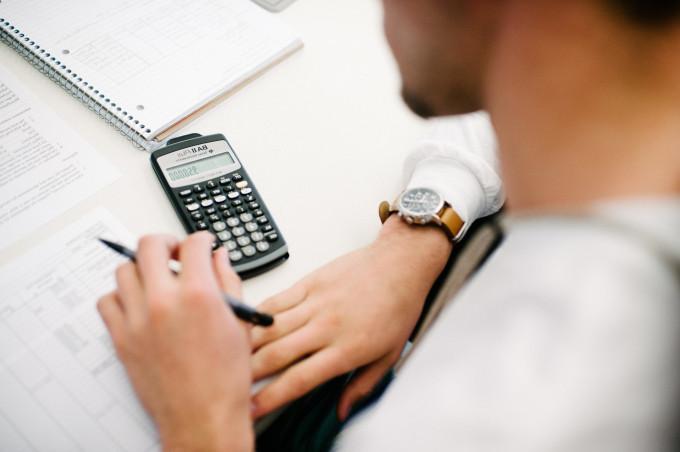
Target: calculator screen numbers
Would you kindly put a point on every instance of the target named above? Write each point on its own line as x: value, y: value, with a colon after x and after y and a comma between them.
x: 198, y: 163
x: 198, y: 167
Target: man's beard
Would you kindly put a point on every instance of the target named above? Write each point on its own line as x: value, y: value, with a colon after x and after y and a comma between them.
x: 454, y: 102
x: 417, y: 104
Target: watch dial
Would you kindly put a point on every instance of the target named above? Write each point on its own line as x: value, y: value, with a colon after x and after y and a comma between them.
x: 420, y: 202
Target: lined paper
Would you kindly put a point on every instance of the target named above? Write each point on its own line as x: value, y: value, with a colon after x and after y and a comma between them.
x: 156, y: 60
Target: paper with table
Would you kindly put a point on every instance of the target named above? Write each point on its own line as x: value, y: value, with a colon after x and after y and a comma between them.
x: 45, y: 167
x: 61, y: 386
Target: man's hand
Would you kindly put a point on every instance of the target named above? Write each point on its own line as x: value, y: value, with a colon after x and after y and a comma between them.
x: 356, y: 312
x: 186, y: 355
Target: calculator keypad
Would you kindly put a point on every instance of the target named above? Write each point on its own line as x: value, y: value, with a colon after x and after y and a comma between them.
x: 227, y: 207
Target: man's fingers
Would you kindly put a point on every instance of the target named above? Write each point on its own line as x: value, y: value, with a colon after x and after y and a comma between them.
x: 153, y: 254
x: 226, y: 276
x: 285, y: 324
x: 298, y: 380
x: 130, y: 292
x: 112, y: 314
x: 285, y: 300
x: 280, y: 354
x: 195, y: 254
x: 362, y: 384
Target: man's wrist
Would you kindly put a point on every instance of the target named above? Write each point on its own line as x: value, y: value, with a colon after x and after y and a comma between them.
x: 234, y: 436
x: 428, y: 246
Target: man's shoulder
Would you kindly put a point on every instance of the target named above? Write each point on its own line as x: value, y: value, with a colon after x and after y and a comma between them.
x: 578, y: 270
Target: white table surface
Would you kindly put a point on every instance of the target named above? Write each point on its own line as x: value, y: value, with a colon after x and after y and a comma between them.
x: 323, y: 135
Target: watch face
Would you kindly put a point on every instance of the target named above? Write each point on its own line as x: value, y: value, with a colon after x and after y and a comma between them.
x: 420, y: 203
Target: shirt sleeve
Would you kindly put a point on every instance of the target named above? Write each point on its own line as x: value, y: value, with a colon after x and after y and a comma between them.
x: 458, y: 158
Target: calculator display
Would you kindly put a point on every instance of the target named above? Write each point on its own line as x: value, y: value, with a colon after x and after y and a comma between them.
x: 197, y: 167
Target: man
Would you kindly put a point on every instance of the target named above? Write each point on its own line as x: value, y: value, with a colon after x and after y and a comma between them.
x: 567, y: 339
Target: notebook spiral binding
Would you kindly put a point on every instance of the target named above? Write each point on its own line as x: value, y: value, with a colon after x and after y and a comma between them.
x: 47, y: 64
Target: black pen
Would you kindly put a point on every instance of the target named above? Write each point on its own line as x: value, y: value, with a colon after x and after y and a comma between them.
x: 242, y: 311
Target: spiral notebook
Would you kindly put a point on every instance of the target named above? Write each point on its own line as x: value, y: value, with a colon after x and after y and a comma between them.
x: 146, y: 66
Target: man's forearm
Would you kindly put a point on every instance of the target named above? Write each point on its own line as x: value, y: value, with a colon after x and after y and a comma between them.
x: 425, y: 249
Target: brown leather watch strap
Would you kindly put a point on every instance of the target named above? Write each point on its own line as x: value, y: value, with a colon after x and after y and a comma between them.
x: 451, y: 221
x: 384, y: 210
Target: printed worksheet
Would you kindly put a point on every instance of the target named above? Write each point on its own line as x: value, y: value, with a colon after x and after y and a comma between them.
x: 61, y: 385
x: 45, y: 167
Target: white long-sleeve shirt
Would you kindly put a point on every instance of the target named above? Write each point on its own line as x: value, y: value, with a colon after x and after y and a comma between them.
x: 567, y: 340
x: 459, y: 159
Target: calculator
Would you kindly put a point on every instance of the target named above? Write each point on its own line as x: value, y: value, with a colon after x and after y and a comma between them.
x: 210, y: 190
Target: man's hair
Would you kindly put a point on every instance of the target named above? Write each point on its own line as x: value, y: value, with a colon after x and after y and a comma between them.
x: 648, y: 13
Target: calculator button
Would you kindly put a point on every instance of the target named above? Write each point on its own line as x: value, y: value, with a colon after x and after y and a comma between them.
x: 188, y: 200
x: 250, y: 198
x: 216, y: 192
x: 267, y: 228
x: 254, y: 205
x: 232, y: 195
x: 249, y: 250
x: 207, y: 202
x: 201, y: 226
x: 246, y: 217
x: 211, y: 185
x: 251, y: 227
x: 262, y: 220
x: 246, y: 191
x: 192, y: 207
x: 256, y: 236
x: 215, y: 245
x: 262, y: 246
x: 233, y: 221
x: 203, y: 196
x: 186, y: 192
x: 231, y: 245
x: 210, y: 211
x: 198, y: 189
x: 223, y: 207
x: 273, y: 237
x: 236, y: 255
x: 225, y: 181
x: 224, y: 235
x: 220, y: 198
x: 243, y: 240
x: 238, y: 231
x: 258, y: 213
x: 240, y: 210
x: 236, y: 177
x: 219, y: 226
x: 241, y: 184
x: 236, y: 203
x: 214, y: 217
x: 196, y: 216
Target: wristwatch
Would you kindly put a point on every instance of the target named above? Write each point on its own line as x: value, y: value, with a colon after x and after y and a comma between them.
x: 423, y: 206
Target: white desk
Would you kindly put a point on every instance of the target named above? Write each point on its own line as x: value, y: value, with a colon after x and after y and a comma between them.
x: 323, y: 135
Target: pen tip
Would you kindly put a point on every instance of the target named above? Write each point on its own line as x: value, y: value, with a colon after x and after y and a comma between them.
x: 109, y: 244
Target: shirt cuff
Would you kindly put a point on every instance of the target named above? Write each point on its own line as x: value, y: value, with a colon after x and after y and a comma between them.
x: 459, y: 187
